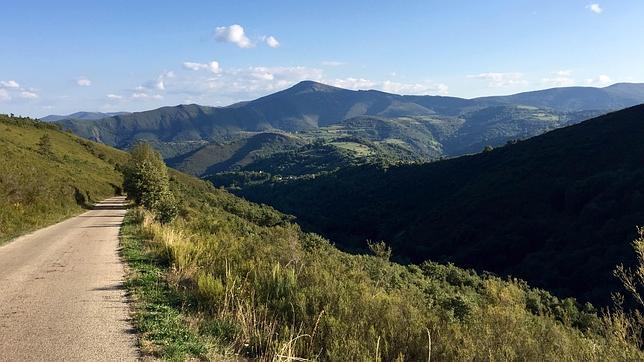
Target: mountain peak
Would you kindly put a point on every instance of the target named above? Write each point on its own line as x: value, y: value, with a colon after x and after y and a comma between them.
x: 312, y: 86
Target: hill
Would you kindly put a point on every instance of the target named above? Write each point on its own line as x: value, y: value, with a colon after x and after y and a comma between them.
x: 558, y: 210
x: 309, y: 106
x: 45, y: 182
x: 230, y: 279
x: 85, y: 116
x: 234, y: 155
x: 571, y: 99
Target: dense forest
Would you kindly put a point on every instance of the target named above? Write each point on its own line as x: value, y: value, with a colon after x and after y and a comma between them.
x: 558, y: 210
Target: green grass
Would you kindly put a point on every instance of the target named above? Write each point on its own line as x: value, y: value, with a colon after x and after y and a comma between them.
x: 247, y: 282
x: 163, y: 329
x: 38, y: 189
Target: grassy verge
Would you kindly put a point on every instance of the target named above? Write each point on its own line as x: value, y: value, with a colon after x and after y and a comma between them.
x: 164, y: 330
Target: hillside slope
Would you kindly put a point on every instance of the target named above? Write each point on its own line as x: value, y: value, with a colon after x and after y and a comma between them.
x: 558, y: 210
x: 41, y: 185
x: 240, y: 279
x: 218, y: 157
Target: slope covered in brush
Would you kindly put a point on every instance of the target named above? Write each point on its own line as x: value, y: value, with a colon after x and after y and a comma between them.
x: 47, y: 175
x: 230, y: 278
x: 558, y: 210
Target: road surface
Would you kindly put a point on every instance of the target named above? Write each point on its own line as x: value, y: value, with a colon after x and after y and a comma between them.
x: 61, y: 295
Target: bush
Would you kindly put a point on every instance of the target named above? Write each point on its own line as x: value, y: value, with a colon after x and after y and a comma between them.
x: 146, y: 182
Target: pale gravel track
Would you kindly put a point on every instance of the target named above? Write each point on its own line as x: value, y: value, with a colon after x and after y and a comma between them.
x: 61, y: 294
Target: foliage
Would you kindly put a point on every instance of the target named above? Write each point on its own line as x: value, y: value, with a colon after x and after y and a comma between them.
x: 146, y: 181
x: 252, y: 284
x: 36, y: 189
x: 556, y: 210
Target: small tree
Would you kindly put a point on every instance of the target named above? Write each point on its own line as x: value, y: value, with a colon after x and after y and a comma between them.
x: 146, y: 182
x: 44, y: 145
x: 379, y: 249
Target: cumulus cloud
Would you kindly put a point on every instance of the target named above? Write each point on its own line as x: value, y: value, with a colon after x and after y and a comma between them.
x: 500, y: 80
x: 213, y: 66
x: 9, y: 84
x: 271, y: 41
x: 595, y: 8
x: 114, y: 96
x: 83, y: 82
x: 600, y: 80
x: 234, y: 34
x: 562, y: 78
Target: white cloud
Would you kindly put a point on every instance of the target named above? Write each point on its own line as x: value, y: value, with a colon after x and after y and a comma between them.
x: 9, y: 84
x: 233, y: 34
x: 4, y: 95
x: 83, y: 82
x: 562, y: 78
x: 595, y: 8
x: 114, y: 96
x: 500, y: 80
x: 143, y: 95
x: 391, y: 86
x: 160, y: 83
x: 332, y: 63
x: 213, y: 66
x: 271, y: 41
x: 600, y: 80
x: 28, y: 94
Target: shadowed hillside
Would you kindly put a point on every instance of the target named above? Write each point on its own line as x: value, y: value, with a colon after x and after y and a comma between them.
x: 558, y: 210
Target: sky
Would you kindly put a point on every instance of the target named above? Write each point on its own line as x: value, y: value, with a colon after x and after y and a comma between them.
x: 59, y: 57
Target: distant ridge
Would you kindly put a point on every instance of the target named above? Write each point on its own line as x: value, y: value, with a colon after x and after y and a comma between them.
x: 309, y: 105
x: 86, y: 116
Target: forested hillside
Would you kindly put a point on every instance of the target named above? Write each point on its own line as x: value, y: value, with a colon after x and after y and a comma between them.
x: 47, y: 175
x: 228, y: 278
x: 558, y: 210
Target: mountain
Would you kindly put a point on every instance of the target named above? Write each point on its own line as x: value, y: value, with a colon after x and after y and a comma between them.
x: 310, y: 106
x: 571, y: 99
x: 558, y: 210
x: 218, y: 157
x: 84, y: 116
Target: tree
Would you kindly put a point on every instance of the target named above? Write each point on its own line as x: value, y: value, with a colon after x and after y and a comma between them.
x: 44, y: 145
x: 146, y: 182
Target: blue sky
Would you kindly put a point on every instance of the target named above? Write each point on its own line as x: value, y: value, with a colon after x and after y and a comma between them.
x: 65, y: 56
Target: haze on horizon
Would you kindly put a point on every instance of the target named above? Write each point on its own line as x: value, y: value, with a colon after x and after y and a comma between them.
x: 123, y: 56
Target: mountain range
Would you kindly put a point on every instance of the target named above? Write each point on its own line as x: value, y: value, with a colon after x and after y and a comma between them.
x: 432, y: 126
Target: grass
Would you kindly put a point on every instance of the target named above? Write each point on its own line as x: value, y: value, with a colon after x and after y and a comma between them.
x: 163, y: 329
x: 39, y: 188
x: 247, y: 283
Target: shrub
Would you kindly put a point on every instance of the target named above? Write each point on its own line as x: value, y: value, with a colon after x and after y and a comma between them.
x: 146, y: 182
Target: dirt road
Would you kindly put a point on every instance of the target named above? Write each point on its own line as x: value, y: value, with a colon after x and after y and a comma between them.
x: 61, y: 295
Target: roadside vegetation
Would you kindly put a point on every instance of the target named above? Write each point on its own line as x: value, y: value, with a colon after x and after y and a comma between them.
x: 228, y: 278
x: 47, y: 175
